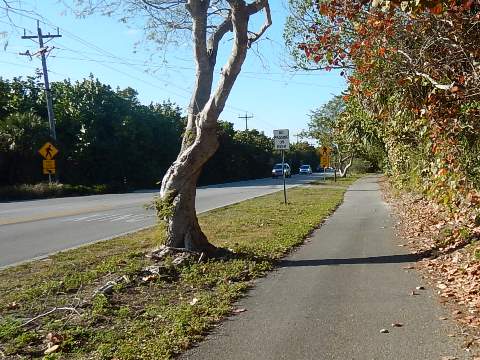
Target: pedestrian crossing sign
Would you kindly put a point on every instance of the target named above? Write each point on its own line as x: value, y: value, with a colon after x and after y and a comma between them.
x: 48, y: 151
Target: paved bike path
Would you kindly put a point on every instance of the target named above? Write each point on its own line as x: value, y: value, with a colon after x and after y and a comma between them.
x: 331, y: 298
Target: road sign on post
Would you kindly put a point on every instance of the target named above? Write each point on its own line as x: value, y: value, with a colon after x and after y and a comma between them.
x: 281, y: 140
x: 48, y: 167
x: 325, y: 156
x: 48, y: 151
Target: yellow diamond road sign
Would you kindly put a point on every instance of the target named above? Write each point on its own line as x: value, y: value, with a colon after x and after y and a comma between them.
x: 48, y: 151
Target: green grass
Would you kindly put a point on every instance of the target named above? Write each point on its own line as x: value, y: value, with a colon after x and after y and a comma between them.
x: 154, y: 319
x: 340, y: 181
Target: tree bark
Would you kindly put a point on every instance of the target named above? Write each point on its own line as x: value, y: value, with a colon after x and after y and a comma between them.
x: 177, y: 194
x: 344, y: 167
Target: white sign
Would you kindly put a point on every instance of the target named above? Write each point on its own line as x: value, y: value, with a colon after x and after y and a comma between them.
x: 281, y: 139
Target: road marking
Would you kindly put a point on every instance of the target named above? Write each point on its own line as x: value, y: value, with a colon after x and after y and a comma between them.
x: 102, y: 217
x: 54, y: 214
x: 121, y: 218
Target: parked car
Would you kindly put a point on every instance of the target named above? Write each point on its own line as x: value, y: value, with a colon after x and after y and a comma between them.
x: 305, y: 170
x: 277, y: 170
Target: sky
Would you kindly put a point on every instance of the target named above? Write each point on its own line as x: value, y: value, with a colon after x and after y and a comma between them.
x: 118, y: 55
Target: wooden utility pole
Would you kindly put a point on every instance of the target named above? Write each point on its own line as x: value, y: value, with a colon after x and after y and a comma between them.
x: 42, y: 51
x: 246, y: 117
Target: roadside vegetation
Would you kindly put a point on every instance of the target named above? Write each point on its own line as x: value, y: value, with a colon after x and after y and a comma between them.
x: 153, y: 309
x: 413, y: 103
x: 107, y: 137
x: 46, y: 190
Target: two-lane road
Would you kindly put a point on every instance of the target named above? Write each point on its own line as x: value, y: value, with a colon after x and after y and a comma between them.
x: 32, y: 229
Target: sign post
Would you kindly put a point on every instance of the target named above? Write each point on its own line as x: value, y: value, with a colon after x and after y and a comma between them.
x: 48, y: 151
x: 281, y: 141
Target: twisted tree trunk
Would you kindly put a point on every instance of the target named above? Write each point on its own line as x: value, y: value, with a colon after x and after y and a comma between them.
x: 177, y: 194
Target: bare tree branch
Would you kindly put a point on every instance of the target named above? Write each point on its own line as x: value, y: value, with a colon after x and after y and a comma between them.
x: 255, y: 7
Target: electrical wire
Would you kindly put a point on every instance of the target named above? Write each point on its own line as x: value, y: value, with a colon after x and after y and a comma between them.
x: 127, y: 62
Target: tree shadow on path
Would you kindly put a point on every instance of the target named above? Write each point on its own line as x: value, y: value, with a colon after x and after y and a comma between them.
x: 386, y: 259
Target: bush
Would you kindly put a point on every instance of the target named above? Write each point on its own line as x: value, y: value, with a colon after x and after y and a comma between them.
x: 46, y: 190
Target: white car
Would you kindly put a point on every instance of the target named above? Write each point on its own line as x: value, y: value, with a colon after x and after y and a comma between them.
x: 277, y: 170
x: 305, y: 170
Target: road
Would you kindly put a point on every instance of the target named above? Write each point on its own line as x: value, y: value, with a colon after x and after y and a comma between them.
x: 330, y: 298
x: 33, y: 229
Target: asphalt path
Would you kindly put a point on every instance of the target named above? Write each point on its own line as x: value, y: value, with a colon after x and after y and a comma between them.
x: 34, y: 229
x: 331, y: 298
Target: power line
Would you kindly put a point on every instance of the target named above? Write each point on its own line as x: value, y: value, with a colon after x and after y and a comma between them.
x: 103, y: 52
x: 42, y: 51
x: 246, y: 117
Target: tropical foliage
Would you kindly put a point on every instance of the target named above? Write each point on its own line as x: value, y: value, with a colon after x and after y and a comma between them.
x: 413, y: 74
x: 107, y: 136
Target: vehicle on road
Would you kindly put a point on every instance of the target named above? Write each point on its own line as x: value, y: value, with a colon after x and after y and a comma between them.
x: 277, y: 170
x: 305, y: 170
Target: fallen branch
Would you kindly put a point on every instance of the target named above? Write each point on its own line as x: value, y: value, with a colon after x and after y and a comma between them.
x: 51, y: 311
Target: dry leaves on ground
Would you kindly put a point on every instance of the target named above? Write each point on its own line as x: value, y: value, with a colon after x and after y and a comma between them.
x: 448, y: 245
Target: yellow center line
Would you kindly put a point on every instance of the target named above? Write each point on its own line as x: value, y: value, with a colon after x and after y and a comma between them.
x: 53, y: 214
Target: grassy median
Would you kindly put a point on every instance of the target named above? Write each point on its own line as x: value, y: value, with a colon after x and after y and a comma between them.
x: 51, y: 304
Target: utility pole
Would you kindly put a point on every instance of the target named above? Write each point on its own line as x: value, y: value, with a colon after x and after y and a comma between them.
x: 42, y: 51
x: 246, y: 117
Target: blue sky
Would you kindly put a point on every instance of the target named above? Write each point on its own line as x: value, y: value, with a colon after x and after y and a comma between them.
x: 266, y: 89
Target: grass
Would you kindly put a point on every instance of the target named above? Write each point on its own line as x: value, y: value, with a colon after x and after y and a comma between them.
x: 340, y: 181
x: 158, y: 318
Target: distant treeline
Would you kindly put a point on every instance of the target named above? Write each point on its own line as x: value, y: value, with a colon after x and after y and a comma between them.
x: 106, y: 136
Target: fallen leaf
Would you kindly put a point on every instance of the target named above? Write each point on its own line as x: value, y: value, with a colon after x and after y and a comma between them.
x: 443, y: 318
x: 384, y: 331
x: 420, y: 288
x: 51, y: 349
x: 397, y: 325
x: 194, y: 301
x: 149, y: 278
x: 410, y: 267
x: 12, y: 306
x: 54, y: 338
x: 239, y: 310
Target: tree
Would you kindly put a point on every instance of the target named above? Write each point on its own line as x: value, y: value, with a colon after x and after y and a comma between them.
x: 21, y: 135
x: 342, y: 125
x: 412, y: 69
x: 200, y: 141
x: 104, y: 136
x: 325, y: 127
x: 207, y: 22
